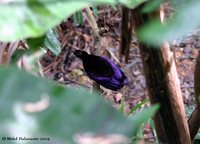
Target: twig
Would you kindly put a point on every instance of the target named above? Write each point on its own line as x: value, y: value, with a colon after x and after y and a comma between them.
x: 92, y: 22
x: 97, y: 40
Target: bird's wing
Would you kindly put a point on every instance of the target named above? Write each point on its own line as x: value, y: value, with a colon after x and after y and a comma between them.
x: 104, y: 72
x: 104, y: 69
x: 108, y: 82
x: 98, y: 66
x: 119, y: 74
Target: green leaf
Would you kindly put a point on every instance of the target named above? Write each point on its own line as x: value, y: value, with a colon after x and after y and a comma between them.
x: 152, y: 5
x: 140, y: 131
x: 78, y: 18
x: 52, y: 43
x: 122, y: 107
x: 95, y: 10
x: 35, y: 107
x: 35, y: 43
x: 49, y: 40
x: 132, y: 3
x: 138, y: 106
x: 17, y: 55
x: 144, y: 116
x: 32, y: 18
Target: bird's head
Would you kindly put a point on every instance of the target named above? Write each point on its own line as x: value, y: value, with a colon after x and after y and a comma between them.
x: 80, y: 54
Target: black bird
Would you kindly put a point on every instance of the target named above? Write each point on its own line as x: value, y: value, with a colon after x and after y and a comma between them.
x: 102, y: 70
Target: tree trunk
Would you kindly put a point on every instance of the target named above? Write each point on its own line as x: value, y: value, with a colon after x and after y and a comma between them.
x: 163, y: 86
x: 194, y: 120
x: 126, y: 33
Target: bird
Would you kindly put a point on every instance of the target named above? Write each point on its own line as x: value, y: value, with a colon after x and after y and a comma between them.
x: 102, y: 70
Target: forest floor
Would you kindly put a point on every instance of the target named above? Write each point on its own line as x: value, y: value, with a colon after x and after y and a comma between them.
x: 68, y: 70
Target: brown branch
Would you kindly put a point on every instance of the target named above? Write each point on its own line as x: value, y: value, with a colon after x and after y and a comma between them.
x: 163, y: 86
x: 126, y: 33
x: 194, y: 120
x: 97, y: 41
x: 124, y: 29
x: 7, y: 50
x: 197, y: 80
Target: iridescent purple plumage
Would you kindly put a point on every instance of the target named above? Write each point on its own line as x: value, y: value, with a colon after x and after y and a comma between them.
x: 102, y: 70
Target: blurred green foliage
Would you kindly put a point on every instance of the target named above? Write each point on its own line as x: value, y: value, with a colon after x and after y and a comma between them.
x: 35, y: 107
x: 185, y: 20
x: 33, y: 18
